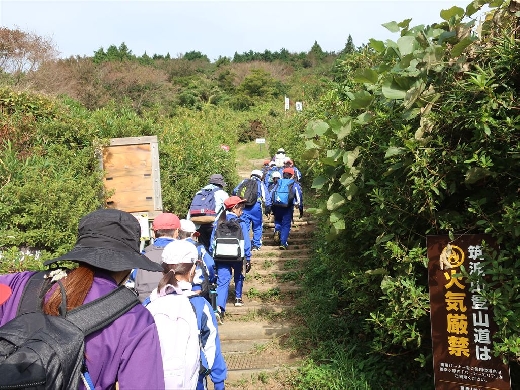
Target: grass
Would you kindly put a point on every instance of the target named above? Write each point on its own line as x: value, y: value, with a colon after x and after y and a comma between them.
x: 251, y: 151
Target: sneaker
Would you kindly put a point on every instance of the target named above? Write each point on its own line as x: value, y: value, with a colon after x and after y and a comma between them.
x: 255, y: 248
x: 238, y: 302
x: 283, y: 246
x: 277, y: 237
x: 220, y: 316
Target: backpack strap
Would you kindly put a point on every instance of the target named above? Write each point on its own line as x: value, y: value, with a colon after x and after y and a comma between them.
x: 101, y: 312
x: 89, y: 317
x: 37, y: 286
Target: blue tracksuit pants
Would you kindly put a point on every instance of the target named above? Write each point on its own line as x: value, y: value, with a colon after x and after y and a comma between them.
x: 224, y: 271
x: 282, y: 222
x: 253, y: 215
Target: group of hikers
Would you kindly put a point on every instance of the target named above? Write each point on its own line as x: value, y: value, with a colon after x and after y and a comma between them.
x: 166, y: 335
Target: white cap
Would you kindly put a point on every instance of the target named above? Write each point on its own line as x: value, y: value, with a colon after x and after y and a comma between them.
x: 281, y: 150
x: 180, y: 252
x: 272, y: 164
x: 276, y: 174
x: 286, y: 159
x: 257, y: 172
x: 188, y: 226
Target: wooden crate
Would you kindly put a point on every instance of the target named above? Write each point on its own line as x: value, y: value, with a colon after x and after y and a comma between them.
x: 131, y: 167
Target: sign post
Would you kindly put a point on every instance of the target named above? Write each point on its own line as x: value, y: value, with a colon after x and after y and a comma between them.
x: 461, y: 319
x: 260, y: 141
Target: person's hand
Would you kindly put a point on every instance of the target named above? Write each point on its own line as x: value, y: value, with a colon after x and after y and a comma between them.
x: 248, y: 267
x: 301, y: 214
x: 267, y: 211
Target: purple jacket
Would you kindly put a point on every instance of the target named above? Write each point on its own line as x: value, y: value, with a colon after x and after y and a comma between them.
x: 127, y: 351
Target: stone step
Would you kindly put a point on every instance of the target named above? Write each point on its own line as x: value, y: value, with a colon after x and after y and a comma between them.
x: 295, y: 223
x: 236, y: 331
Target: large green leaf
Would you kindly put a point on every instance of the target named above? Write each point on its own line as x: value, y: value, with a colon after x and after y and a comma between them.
x: 474, y: 6
x: 394, y: 151
x: 334, y: 157
x: 433, y: 56
x: 339, y: 225
x: 405, y: 24
x: 407, y: 45
x: 447, y: 36
x: 392, y: 26
x: 350, y: 156
x: 344, y: 128
x: 335, y: 201
x: 378, y: 46
x: 364, y: 118
x: 456, y: 12
x: 361, y: 100
x: 392, y: 90
x: 349, y: 177
x: 351, y: 190
x: 459, y: 47
x: 336, y: 216
x: 311, y: 144
x: 319, y: 182
x: 365, y: 75
x: 316, y: 128
x: 413, y: 94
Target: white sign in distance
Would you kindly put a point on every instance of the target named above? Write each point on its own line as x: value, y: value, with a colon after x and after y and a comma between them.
x: 260, y: 140
x: 298, y: 106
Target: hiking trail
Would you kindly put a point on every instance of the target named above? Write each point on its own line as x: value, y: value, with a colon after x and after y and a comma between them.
x: 253, y: 336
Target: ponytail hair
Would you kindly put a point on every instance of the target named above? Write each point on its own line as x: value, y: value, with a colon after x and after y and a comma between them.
x: 169, y: 272
x: 77, y: 284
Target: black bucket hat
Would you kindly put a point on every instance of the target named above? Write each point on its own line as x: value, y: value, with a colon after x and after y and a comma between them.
x: 109, y: 239
x: 217, y: 179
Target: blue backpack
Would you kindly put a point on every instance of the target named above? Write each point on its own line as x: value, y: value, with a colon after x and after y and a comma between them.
x: 202, y: 208
x: 283, y: 194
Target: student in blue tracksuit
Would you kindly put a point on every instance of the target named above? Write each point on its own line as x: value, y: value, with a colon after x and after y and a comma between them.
x: 288, y: 163
x: 252, y: 215
x: 234, y: 206
x: 210, y: 340
x: 189, y: 233
x: 269, y: 173
x: 179, y: 256
x: 283, y: 215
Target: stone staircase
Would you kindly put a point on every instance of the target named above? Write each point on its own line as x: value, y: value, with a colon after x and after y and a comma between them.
x: 253, y: 336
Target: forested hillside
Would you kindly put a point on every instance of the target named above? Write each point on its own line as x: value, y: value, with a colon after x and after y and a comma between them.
x: 397, y: 140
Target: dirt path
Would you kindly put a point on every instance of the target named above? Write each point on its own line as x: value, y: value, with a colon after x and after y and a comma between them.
x: 253, y: 336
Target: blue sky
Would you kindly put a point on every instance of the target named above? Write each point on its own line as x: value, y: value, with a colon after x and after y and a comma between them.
x: 213, y: 27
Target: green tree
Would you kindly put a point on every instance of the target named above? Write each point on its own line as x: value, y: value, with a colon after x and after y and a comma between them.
x: 258, y: 83
x: 195, y: 55
x: 349, y: 46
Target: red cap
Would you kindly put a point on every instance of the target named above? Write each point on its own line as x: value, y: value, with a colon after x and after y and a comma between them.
x: 266, y: 162
x: 5, y: 293
x: 288, y: 170
x: 166, y: 221
x: 232, y: 201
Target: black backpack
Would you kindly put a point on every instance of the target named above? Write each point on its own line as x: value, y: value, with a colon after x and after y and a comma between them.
x: 248, y: 190
x: 229, y: 241
x: 40, y: 351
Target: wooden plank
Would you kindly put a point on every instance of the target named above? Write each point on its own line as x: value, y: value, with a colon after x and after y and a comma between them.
x: 129, y: 183
x: 131, y: 167
x: 133, y: 140
x: 131, y: 202
x: 128, y: 158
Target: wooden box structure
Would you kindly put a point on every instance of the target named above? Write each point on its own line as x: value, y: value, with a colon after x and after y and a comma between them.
x: 132, y: 175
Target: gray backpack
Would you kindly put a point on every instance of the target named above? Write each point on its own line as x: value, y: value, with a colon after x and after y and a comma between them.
x: 40, y: 351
